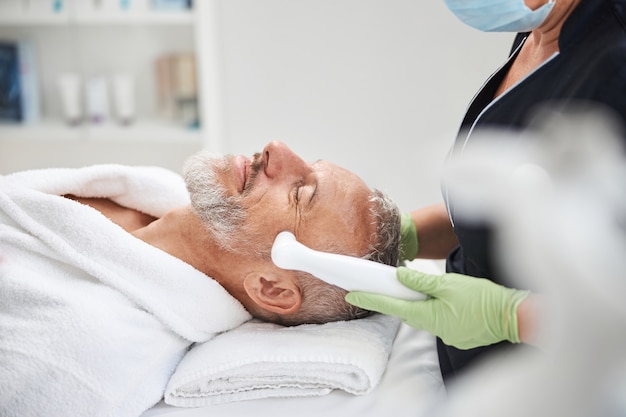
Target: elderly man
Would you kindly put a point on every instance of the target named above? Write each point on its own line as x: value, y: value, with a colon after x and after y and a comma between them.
x: 106, y: 282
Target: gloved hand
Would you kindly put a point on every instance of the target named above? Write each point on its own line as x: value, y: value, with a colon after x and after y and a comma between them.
x: 408, y: 238
x: 463, y: 311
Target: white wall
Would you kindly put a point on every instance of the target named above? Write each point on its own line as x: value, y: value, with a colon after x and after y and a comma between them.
x: 377, y: 86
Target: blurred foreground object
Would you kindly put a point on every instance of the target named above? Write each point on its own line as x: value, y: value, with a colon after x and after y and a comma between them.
x: 557, y: 199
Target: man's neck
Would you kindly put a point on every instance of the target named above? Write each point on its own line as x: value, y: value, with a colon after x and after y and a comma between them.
x: 181, y: 234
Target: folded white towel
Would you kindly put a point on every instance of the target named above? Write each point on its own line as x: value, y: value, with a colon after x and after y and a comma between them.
x: 260, y: 360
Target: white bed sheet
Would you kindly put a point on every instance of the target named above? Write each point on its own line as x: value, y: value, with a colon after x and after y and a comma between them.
x: 411, y: 385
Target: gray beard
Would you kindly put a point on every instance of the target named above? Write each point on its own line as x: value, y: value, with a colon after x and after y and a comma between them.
x: 223, y: 215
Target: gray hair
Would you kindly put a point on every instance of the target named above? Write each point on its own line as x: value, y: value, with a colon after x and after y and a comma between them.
x: 321, y: 302
x: 221, y: 214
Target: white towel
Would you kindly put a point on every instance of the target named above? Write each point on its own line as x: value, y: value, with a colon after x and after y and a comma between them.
x: 260, y: 360
x: 92, y: 320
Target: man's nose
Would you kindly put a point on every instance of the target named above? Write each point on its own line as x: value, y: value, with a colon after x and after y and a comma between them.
x: 280, y: 161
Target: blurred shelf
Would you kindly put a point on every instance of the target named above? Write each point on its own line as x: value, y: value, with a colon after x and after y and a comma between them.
x: 151, y: 33
x: 151, y: 17
x: 140, y: 132
x: 148, y: 18
x: 19, y: 20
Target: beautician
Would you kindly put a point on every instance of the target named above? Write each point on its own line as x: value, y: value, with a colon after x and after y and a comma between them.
x: 565, y: 51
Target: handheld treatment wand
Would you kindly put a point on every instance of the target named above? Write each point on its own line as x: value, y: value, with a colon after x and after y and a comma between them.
x: 347, y: 272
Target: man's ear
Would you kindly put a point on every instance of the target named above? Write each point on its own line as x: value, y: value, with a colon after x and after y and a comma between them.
x: 275, y: 292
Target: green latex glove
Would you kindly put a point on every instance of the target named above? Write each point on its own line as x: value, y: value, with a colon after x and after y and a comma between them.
x: 408, y: 238
x: 463, y: 311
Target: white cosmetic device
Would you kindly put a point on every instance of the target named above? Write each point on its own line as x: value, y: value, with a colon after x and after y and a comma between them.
x: 347, y: 272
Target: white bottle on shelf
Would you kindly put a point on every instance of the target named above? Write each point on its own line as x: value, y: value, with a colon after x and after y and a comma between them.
x: 97, y: 99
x: 124, y: 97
x: 69, y: 85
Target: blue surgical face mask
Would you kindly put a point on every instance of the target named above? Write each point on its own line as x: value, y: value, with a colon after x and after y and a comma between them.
x: 499, y: 15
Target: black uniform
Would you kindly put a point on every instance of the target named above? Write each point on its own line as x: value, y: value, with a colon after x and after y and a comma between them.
x: 590, y: 66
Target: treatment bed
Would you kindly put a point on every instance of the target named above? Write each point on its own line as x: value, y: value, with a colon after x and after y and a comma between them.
x: 410, y: 386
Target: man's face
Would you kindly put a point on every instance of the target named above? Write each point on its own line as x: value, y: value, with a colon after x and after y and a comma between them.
x: 248, y: 201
